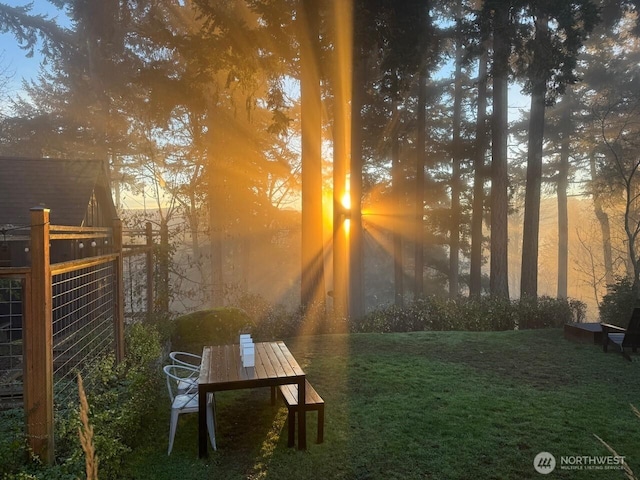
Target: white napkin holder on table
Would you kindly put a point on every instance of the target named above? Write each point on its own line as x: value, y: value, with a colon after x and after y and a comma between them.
x: 247, y: 350
x: 248, y: 355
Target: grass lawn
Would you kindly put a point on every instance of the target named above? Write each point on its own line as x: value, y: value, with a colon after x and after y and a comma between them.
x: 424, y: 405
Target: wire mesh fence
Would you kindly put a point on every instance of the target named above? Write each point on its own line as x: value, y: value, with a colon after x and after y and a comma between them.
x: 11, y: 351
x: 83, y: 324
x: 138, y: 265
x: 135, y: 286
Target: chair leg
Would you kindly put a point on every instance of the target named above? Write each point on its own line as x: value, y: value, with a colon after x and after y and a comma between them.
x: 172, y: 429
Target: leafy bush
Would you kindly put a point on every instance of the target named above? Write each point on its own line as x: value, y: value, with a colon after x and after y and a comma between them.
x: 272, y: 322
x: 269, y: 321
x: 550, y: 312
x: 209, y: 327
x: 618, y: 303
x: 315, y: 319
x: 118, y: 398
x: 388, y: 319
x: 472, y: 314
x: 13, y: 451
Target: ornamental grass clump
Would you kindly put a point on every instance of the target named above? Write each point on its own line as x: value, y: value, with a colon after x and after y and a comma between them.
x: 85, y: 432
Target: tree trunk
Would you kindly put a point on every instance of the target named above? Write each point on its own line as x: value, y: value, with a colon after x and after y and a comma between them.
x: 418, y: 284
x: 530, y: 232
x: 396, y: 188
x: 217, y: 207
x: 342, y: 63
x: 563, y: 185
x: 356, y: 260
x: 605, y: 228
x: 531, y: 229
x: 477, y: 238
x: 312, y: 268
x: 631, y: 229
x: 456, y: 157
x: 115, y: 179
x: 499, y: 280
x: 216, y: 232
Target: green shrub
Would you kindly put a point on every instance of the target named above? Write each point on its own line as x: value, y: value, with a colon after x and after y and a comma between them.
x: 118, y: 397
x: 315, y: 319
x: 548, y: 312
x: 270, y: 322
x: 276, y: 323
x: 618, y: 303
x: 483, y: 314
x: 384, y: 320
x: 496, y: 312
x: 209, y: 327
x: 471, y: 314
x: 13, y: 447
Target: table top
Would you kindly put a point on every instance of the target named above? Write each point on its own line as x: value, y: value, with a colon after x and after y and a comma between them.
x: 222, y: 368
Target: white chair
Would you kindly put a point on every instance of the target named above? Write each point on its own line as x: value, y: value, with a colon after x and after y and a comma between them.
x: 191, y: 361
x: 186, y: 401
x: 186, y: 358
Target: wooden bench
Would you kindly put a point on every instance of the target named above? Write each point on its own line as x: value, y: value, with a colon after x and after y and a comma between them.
x: 313, y: 401
x: 623, y: 337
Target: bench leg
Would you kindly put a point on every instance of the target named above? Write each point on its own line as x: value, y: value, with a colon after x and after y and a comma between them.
x: 321, y: 424
x: 291, y: 435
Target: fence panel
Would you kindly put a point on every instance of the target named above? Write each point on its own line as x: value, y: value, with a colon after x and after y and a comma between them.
x: 138, y: 273
x: 56, y: 320
x: 11, y: 350
x: 136, y: 291
x: 83, y: 323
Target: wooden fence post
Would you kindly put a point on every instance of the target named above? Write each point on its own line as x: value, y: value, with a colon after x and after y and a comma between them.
x: 163, y: 284
x: 38, y: 343
x: 149, y: 265
x: 119, y: 294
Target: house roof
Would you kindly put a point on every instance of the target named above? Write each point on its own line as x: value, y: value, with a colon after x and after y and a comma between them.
x: 63, y: 186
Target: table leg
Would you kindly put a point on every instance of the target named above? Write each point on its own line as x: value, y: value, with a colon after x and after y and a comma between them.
x: 302, y: 415
x: 202, y: 423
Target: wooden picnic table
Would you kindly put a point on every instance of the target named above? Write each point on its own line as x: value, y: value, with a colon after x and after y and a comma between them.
x: 222, y: 369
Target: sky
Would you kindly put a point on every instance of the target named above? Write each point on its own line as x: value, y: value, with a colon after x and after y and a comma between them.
x: 13, y: 60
